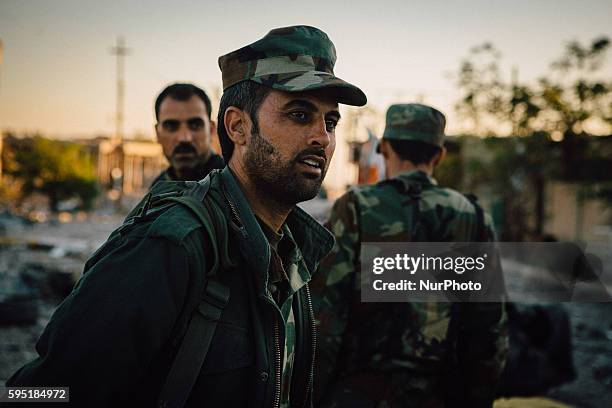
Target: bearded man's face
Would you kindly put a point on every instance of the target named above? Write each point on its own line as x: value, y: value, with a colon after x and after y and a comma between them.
x: 291, y: 145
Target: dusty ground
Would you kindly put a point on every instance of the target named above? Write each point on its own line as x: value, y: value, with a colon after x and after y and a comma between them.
x: 592, y: 347
x: 591, y: 322
x: 30, y: 245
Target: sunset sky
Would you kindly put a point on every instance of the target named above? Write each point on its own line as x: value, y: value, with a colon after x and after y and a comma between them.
x: 58, y: 77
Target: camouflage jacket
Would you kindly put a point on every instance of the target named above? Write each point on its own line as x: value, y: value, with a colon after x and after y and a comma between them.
x: 401, y: 354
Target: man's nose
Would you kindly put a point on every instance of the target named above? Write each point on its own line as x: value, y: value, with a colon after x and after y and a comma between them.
x: 319, y: 135
x: 185, y: 134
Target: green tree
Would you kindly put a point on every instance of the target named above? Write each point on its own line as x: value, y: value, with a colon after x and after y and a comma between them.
x: 574, y: 93
x: 60, y: 170
x: 483, y: 89
x: 549, y: 117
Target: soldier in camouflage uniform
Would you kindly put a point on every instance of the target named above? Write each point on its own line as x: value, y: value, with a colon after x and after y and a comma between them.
x: 404, y: 354
x: 114, y: 338
x: 284, y: 160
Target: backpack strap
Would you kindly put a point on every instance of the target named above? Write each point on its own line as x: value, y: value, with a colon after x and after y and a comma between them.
x: 194, y: 348
x: 196, y: 343
x: 480, y: 222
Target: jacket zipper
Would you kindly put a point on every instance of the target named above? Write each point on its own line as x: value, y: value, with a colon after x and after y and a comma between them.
x: 278, y: 363
x: 277, y: 344
x: 313, y: 342
x: 232, y: 207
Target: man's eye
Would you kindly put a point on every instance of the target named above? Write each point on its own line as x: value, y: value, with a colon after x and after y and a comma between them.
x: 195, y: 124
x: 171, y: 125
x: 331, y: 124
x: 299, y: 115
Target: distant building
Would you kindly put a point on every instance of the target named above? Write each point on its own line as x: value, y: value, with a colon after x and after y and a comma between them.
x: 571, y: 214
x: 573, y: 209
x: 132, y: 164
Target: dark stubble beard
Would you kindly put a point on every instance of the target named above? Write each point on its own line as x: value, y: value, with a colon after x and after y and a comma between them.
x: 281, y: 180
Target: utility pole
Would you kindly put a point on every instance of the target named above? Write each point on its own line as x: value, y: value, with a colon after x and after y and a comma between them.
x: 117, y: 164
x: 1, y: 60
x: 120, y: 51
x: 1, y: 135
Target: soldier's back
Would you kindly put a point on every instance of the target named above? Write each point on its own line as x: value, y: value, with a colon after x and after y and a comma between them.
x: 412, y: 207
x: 392, y: 353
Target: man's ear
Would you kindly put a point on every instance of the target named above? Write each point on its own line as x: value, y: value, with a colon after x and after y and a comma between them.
x: 383, y: 148
x: 213, y: 128
x: 156, y: 131
x: 236, y: 124
x: 440, y: 156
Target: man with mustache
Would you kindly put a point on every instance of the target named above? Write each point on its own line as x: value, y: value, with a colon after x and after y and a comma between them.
x: 184, y: 130
x: 215, y: 311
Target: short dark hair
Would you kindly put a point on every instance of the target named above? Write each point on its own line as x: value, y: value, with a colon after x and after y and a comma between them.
x: 182, y: 92
x: 414, y: 151
x: 247, y: 96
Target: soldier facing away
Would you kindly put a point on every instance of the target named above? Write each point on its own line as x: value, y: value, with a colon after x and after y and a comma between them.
x: 244, y: 269
x: 404, y: 354
x: 184, y: 129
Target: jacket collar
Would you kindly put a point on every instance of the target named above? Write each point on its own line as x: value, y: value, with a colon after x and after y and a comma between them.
x: 417, y: 175
x: 312, y: 239
x: 214, y: 162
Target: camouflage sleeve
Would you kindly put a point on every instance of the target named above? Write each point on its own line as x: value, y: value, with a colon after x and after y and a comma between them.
x: 333, y: 288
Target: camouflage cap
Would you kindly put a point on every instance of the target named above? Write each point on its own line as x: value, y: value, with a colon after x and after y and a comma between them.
x: 291, y: 59
x: 413, y: 121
